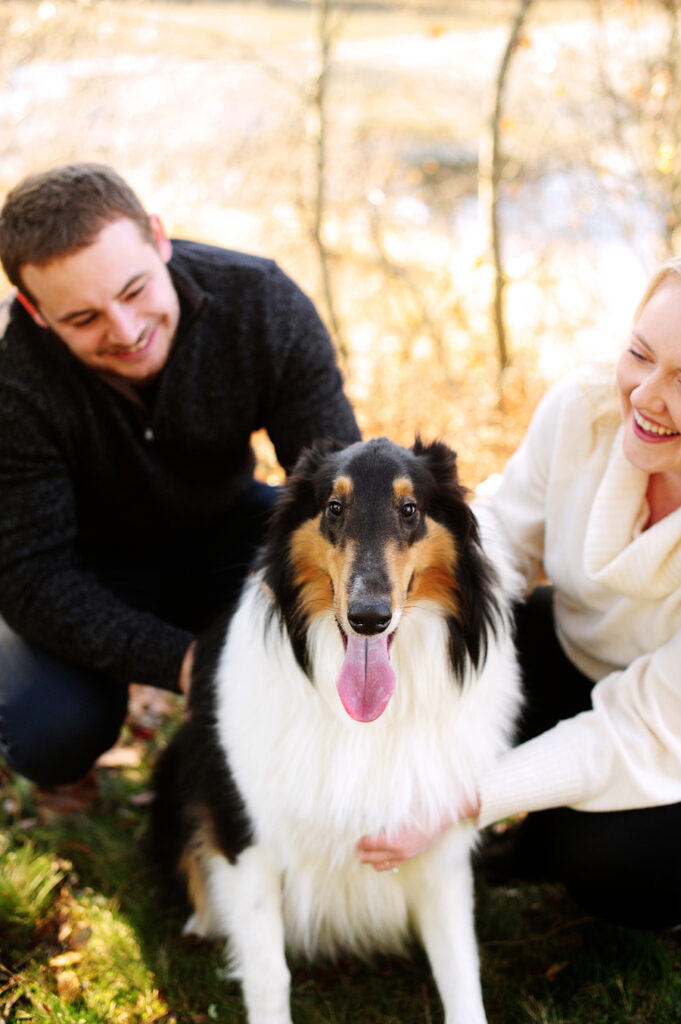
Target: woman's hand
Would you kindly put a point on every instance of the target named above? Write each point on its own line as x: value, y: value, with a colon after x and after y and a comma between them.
x: 410, y: 841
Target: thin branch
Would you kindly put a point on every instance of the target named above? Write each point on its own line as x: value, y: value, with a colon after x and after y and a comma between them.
x: 490, y: 172
x: 325, y: 38
x: 556, y: 930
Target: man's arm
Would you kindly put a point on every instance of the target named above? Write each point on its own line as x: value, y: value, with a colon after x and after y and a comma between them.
x: 46, y: 595
x: 307, y: 400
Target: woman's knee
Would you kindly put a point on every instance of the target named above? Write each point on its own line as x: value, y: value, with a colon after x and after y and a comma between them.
x: 623, y: 866
x: 55, y: 718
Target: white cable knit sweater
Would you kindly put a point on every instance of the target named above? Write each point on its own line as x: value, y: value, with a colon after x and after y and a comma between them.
x: 570, y: 500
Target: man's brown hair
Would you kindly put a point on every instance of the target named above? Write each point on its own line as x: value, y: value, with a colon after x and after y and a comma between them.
x: 60, y: 211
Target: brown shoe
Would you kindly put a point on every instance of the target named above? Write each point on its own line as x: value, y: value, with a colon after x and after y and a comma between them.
x: 54, y: 802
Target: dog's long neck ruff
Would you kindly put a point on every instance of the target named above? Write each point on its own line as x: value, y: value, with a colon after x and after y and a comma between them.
x: 341, y: 779
x: 354, y: 777
x: 365, y: 681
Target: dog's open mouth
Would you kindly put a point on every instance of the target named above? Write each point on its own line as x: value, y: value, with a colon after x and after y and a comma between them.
x: 366, y: 680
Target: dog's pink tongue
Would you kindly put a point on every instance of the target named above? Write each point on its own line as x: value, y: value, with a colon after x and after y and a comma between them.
x: 366, y: 681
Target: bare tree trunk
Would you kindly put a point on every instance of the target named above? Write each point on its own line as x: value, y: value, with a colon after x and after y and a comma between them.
x: 641, y: 130
x: 325, y: 38
x: 673, y: 214
x: 489, y: 177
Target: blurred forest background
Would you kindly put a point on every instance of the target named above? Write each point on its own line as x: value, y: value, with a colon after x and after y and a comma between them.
x: 473, y: 193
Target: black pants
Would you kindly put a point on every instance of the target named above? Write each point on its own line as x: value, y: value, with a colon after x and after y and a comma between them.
x: 57, y: 718
x: 624, y: 866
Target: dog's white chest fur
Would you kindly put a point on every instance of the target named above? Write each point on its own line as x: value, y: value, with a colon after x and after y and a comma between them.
x: 314, y: 781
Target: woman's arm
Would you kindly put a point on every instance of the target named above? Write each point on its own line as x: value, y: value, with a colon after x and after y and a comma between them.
x: 386, y: 853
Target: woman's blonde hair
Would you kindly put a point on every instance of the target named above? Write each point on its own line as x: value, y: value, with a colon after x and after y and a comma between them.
x: 672, y: 266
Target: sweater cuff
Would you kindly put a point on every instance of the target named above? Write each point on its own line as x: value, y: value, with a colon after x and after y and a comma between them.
x: 164, y: 673
x: 544, y: 772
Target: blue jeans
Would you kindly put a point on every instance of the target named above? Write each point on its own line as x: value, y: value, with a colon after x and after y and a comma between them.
x: 56, y: 718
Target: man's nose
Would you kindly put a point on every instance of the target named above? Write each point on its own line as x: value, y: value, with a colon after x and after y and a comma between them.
x: 123, y: 325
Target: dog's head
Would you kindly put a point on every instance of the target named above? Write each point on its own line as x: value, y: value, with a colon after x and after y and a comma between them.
x: 366, y: 532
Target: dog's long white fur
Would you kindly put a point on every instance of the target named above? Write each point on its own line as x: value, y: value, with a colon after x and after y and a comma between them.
x: 314, y: 781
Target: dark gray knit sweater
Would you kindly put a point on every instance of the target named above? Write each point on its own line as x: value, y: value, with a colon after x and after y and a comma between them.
x: 90, y: 479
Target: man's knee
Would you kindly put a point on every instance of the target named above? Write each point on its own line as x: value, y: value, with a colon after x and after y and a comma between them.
x: 55, y: 718
x: 61, y: 749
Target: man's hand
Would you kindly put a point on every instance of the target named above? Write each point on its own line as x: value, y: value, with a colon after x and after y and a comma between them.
x: 185, y: 678
x: 410, y: 841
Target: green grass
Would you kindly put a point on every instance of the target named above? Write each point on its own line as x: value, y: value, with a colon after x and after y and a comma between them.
x: 85, y: 937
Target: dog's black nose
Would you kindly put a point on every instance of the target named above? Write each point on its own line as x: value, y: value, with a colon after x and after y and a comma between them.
x: 369, y: 617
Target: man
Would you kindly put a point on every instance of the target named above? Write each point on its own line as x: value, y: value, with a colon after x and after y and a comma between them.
x: 132, y: 374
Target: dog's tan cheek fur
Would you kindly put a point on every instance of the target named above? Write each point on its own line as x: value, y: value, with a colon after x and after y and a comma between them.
x: 400, y: 570
x: 317, y: 566
x: 341, y: 561
x: 431, y: 562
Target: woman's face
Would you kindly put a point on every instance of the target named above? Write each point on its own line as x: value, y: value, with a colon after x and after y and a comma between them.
x: 649, y: 383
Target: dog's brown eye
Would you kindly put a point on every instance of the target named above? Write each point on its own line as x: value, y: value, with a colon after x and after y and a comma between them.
x: 335, y: 508
x: 408, y: 510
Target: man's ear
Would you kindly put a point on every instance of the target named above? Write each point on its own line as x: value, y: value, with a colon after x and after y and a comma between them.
x: 163, y: 243
x: 31, y: 310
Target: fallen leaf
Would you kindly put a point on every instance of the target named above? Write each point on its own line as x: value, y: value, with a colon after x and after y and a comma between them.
x: 142, y: 799
x: 551, y: 973
x: 47, y: 932
x: 69, y: 986
x: 26, y: 824
x: 65, y: 959
x: 11, y: 805
x: 142, y: 732
x: 121, y: 757
x: 80, y: 937
x: 148, y: 706
x: 54, y: 802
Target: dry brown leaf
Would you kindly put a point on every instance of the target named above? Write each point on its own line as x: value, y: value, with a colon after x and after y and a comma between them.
x: 69, y: 986
x: 65, y: 960
x: 121, y: 757
x: 142, y: 799
x: 80, y: 937
x: 554, y: 970
x: 54, y: 802
x: 148, y: 705
x: 47, y: 932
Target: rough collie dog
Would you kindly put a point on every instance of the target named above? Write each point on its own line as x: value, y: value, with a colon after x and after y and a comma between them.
x: 363, y: 681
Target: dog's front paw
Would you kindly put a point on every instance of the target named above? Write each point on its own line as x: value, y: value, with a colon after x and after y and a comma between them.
x: 201, y: 925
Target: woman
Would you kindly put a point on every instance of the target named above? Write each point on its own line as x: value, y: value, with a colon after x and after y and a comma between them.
x: 593, y: 495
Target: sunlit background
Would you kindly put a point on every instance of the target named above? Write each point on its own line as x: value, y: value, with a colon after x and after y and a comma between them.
x: 350, y: 141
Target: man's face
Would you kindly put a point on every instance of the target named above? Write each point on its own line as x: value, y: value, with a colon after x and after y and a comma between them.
x: 112, y: 303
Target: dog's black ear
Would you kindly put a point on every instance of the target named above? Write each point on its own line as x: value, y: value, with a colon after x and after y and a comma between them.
x: 447, y: 503
x: 446, y: 495
x: 440, y: 460
x: 298, y: 498
x: 311, y: 457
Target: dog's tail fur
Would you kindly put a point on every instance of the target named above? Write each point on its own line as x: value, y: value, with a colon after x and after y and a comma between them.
x: 166, y: 834
x: 192, y: 775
